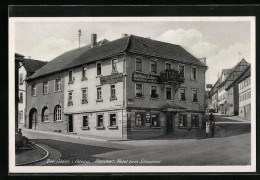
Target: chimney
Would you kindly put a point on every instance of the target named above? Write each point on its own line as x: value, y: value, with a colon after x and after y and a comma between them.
x: 93, y: 39
x: 124, y: 35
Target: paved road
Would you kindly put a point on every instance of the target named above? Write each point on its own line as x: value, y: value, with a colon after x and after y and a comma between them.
x: 230, y: 147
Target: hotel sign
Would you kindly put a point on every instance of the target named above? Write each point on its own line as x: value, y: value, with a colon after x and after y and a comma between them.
x: 111, y: 79
x: 148, y: 78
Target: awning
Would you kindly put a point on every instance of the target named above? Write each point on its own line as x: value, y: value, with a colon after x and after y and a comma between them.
x: 173, y: 108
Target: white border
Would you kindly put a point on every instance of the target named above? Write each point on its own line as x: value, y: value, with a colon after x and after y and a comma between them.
x: 121, y: 169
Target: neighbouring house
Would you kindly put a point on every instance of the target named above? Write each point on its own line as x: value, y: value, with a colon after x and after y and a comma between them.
x: 226, y: 89
x: 115, y: 90
x: 27, y: 67
x: 244, y: 82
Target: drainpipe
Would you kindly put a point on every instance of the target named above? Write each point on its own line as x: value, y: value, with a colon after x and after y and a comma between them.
x: 124, y: 90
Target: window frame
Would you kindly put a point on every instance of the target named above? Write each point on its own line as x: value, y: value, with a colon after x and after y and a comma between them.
x: 151, y: 88
x: 151, y: 69
x: 21, y: 117
x: 198, y: 121
x: 158, y: 120
x: 112, y: 65
x: 141, y: 59
x: 182, y: 65
x: 141, y: 89
x: 194, y: 90
x: 34, y: 90
x: 84, y: 100
x: 21, y: 79
x: 46, y: 83
x: 44, y: 116
x: 99, y: 62
x: 70, y: 98
x: 166, y: 93
x: 112, y: 97
x: 180, y: 92
x: 116, y: 120
x: 99, y: 99
x: 167, y: 62
x: 21, y: 97
x: 195, y: 73
x: 184, y: 116
x: 84, y: 120
x: 142, y: 119
x: 57, y: 114
x: 70, y: 77
x: 97, y: 123
x: 58, y: 84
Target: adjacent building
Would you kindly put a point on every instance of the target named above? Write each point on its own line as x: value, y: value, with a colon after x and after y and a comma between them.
x: 224, y: 93
x: 113, y: 89
x: 27, y: 67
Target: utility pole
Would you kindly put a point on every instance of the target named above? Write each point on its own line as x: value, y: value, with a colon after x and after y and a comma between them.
x: 79, y: 36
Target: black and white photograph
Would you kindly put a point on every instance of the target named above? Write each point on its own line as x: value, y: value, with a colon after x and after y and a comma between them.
x: 132, y: 94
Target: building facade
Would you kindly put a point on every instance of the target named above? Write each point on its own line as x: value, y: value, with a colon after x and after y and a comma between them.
x: 114, y: 90
x: 26, y: 68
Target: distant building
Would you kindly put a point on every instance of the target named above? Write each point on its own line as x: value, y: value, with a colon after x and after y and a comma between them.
x: 245, y: 94
x: 224, y: 93
x: 114, y: 90
x: 27, y: 67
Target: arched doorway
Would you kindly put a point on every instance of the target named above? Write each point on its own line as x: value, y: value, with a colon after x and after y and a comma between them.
x: 33, y: 118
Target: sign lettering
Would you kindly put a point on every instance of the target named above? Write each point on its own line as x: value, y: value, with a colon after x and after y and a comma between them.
x: 111, y: 79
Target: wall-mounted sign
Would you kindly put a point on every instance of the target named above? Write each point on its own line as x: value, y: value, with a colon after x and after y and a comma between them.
x: 111, y: 79
x: 148, y: 78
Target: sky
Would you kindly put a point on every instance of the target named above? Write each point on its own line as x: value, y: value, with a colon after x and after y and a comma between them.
x: 219, y: 41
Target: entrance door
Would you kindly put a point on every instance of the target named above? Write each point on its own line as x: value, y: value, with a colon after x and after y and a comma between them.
x: 70, y: 123
x: 169, y: 124
x: 32, y: 118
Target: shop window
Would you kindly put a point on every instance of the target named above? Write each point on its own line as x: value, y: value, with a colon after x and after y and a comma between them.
x: 194, y: 120
x: 139, y: 119
x: 155, y: 120
x: 139, y: 90
x: 138, y: 64
x: 182, y: 120
x: 154, y: 93
x: 168, y: 93
x: 154, y: 67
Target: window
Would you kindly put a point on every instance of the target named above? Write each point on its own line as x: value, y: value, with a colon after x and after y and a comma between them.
x: 84, y: 96
x: 112, y: 92
x: 112, y: 120
x: 99, y: 93
x: 70, y: 77
x: 154, y: 67
x: 57, y: 113
x: 168, y: 93
x: 194, y: 96
x: 85, y: 121
x: 182, y: 70
x: 45, y: 114
x: 58, y: 84
x: 168, y: 65
x: 139, y: 119
x: 21, y: 97
x: 155, y: 120
x: 114, y: 65
x: 21, y: 79
x: 138, y: 64
x: 182, y: 120
x: 100, y: 120
x: 154, y: 93
x: 21, y: 117
x: 99, y: 68
x: 45, y: 88
x: 33, y: 90
x: 84, y: 70
x: 193, y: 73
x: 182, y: 95
x: 70, y: 102
x: 139, y: 90
x: 194, y: 121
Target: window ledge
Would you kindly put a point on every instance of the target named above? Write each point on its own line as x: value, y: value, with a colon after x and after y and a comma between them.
x: 58, y: 121
x: 156, y: 127
x: 58, y: 91
x: 45, y: 93
x: 85, y: 128
x: 84, y: 78
x: 84, y: 101
x: 182, y: 127
x: 114, y: 72
x: 195, y: 127
x: 99, y: 100
x: 154, y: 74
x: 155, y: 99
x: 100, y: 127
x: 137, y: 129
x: 113, y: 98
x: 112, y: 127
x: 98, y: 76
x: 70, y: 82
x: 193, y: 79
x: 169, y: 100
x: 195, y: 102
x: 46, y: 122
x: 184, y: 101
x: 70, y: 103
x: 137, y: 97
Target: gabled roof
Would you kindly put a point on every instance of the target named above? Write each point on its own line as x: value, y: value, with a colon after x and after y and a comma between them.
x: 132, y: 44
x: 246, y: 73
x: 31, y: 65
